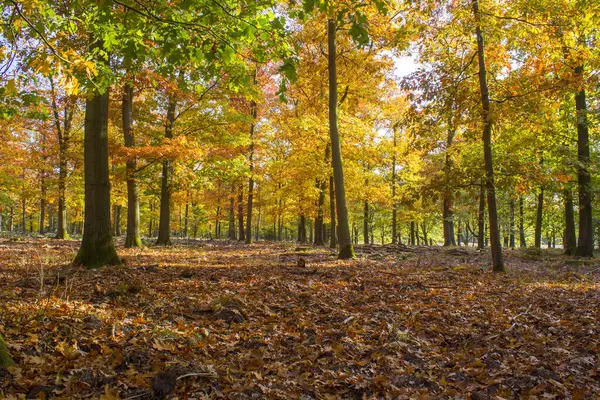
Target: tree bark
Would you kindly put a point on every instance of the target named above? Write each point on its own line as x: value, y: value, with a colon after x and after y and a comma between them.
x: 481, y: 219
x: 253, y: 112
x: 522, y: 242
x: 231, y: 227
x: 448, y: 213
x: 97, y: 247
x: 511, y: 238
x: 345, y: 244
x: 538, y: 219
x: 394, y: 203
x: 117, y: 220
x: 570, y: 240
x: 366, y: 223
x: 241, y: 230
x: 333, y: 236
x: 496, y: 247
x: 164, y: 221
x: 132, y: 238
x: 585, y: 245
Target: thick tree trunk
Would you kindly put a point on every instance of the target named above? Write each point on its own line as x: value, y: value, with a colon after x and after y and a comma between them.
x: 132, y: 238
x: 302, y: 229
x: 570, y: 240
x: 496, y: 247
x: 585, y: 245
x: 164, y: 221
x: 394, y: 203
x: 538, y: 219
x: 345, y: 243
x: 481, y: 220
x: 97, y: 247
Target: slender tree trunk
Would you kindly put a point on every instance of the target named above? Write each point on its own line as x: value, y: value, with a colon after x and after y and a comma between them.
x: 570, y: 241
x: 522, y: 242
x: 23, y: 214
x: 42, y: 208
x: 333, y: 236
x: 132, y: 238
x: 97, y: 247
x: 345, y: 243
x: 394, y: 202
x: 251, y: 180
x: 186, y: 219
x: 366, y: 223
x: 512, y: 224
x: 164, y: 222
x: 117, y: 220
x: 231, y: 227
x: 585, y: 245
x: 319, y: 221
x: 448, y: 213
x: 538, y: 219
x: 481, y: 219
x: 412, y: 233
x: 496, y: 247
x: 241, y: 230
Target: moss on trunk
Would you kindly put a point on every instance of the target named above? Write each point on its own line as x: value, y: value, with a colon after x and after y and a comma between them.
x: 346, y: 253
x: 96, y: 252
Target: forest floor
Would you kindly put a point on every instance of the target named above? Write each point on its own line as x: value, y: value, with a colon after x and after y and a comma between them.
x: 226, y: 320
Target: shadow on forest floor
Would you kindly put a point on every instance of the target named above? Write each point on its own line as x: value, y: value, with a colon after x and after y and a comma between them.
x: 227, y: 320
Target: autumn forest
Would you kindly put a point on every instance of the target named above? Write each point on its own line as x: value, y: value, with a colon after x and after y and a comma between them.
x: 303, y: 199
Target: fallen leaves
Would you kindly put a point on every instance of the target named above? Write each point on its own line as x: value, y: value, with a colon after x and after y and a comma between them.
x: 222, y: 320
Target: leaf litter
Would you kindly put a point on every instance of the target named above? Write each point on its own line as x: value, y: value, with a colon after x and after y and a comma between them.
x: 231, y: 321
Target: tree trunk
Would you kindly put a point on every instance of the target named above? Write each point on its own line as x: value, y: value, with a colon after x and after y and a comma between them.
x: 394, y: 203
x: 511, y: 238
x: 522, y: 242
x: 117, y: 220
x: 366, y: 223
x: 302, y: 229
x: 585, y: 245
x: 345, y: 243
x: 164, y: 221
x: 251, y: 180
x: 448, y: 213
x: 132, y: 238
x: 97, y: 247
x: 231, y: 227
x: 538, y: 219
x: 42, y: 208
x: 333, y: 236
x: 186, y: 219
x: 241, y: 230
x: 496, y: 247
x: 570, y: 241
x: 412, y: 233
x: 481, y: 219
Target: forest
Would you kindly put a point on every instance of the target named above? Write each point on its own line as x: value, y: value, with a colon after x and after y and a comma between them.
x: 300, y: 199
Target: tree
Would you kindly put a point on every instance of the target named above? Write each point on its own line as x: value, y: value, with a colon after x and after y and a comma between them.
x: 496, y: 247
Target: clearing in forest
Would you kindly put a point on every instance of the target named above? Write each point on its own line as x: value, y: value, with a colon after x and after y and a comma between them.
x: 225, y: 320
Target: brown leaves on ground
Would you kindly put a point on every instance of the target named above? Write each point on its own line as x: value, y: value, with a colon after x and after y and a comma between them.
x: 226, y: 320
